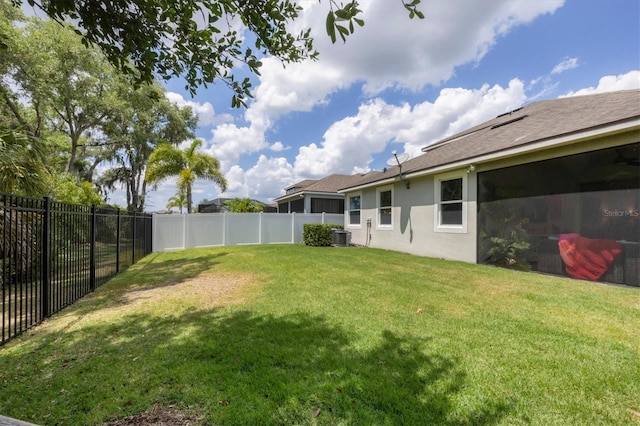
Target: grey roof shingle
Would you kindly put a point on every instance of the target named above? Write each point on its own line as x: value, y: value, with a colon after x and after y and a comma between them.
x: 536, y: 122
x: 329, y: 184
x: 302, y: 184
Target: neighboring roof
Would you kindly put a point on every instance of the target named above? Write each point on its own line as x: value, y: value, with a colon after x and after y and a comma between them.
x: 217, y: 202
x: 329, y: 184
x: 302, y: 184
x: 533, y: 123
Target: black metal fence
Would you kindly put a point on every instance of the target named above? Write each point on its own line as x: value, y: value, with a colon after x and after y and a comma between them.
x: 52, y: 254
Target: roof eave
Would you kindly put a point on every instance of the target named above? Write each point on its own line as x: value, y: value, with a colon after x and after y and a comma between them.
x: 304, y: 193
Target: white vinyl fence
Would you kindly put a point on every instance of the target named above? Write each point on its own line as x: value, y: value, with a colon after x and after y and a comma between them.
x: 181, y: 231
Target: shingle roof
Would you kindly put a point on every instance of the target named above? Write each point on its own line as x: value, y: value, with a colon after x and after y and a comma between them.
x: 302, y: 184
x: 329, y: 184
x: 536, y: 122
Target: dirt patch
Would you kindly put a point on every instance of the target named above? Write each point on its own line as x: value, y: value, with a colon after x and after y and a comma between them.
x: 156, y: 416
x: 207, y: 290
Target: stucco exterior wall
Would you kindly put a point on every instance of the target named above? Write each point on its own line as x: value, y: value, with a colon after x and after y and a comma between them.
x: 413, y: 228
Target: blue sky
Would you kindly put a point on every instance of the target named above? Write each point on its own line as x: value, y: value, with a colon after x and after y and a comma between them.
x: 400, y: 84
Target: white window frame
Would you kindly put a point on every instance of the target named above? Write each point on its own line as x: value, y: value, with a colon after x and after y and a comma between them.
x: 348, y: 210
x: 380, y: 226
x: 437, y: 210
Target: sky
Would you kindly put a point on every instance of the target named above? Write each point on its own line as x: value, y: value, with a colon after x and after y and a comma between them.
x: 399, y: 85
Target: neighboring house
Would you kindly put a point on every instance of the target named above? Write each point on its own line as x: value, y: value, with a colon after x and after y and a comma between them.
x: 315, y: 196
x: 217, y: 206
x: 554, y: 186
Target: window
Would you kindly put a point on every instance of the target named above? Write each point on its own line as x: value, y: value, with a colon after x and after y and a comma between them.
x: 354, y: 210
x: 385, y: 207
x: 450, y: 203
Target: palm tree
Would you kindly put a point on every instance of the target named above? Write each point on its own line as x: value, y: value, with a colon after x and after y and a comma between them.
x: 167, y: 160
x: 179, y: 200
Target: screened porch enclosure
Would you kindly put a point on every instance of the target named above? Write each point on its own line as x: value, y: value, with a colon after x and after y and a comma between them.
x: 577, y: 216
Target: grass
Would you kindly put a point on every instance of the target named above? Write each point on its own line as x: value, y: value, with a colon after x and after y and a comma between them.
x: 304, y: 335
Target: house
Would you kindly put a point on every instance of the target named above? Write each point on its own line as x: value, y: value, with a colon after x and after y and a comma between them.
x: 315, y: 196
x: 553, y: 186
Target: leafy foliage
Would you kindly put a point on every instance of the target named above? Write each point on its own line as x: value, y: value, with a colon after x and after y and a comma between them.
x: 21, y: 163
x: 55, y: 83
x: 503, y: 239
x: 179, y: 200
x: 200, y: 40
x: 340, y: 19
x: 318, y: 234
x: 67, y: 189
x: 74, y: 111
x: 244, y: 205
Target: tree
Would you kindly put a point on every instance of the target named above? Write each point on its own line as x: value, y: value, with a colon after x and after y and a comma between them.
x: 179, y: 200
x: 199, y: 39
x: 145, y: 120
x: 51, y: 80
x: 188, y: 165
x: 244, y: 205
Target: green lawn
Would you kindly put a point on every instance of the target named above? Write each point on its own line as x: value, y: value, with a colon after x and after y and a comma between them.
x: 290, y: 334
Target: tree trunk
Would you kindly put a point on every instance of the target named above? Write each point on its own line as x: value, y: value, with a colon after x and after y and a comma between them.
x: 189, y: 199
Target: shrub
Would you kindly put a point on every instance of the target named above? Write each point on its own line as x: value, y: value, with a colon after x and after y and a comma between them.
x: 318, y: 234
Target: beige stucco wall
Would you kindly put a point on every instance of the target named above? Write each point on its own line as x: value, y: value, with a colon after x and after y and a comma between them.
x: 413, y: 229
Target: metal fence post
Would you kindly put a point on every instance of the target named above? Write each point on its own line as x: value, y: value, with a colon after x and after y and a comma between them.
x: 133, y: 238
x: 45, y: 277
x: 118, y: 242
x: 150, y: 234
x: 92, y: 251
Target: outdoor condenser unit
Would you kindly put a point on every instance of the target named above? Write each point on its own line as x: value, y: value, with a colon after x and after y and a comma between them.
x: 340, y: 238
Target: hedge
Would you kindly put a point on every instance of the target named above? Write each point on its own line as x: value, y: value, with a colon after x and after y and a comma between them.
x: 318, y: 234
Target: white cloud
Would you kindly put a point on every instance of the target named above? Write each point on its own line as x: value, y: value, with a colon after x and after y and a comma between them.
x: 610, y: 83
x: 278, y: 147
x: 230, y: 142
x: 268, y: 178
x: 390, y: 51
x: 264, y: 181
x: 350, y: 143
x: 565, y: 65
x: 204, y: 111
x: 393, y: 51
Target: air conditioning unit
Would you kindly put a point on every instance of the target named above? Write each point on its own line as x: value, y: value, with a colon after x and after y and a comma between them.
x: 340, y: 238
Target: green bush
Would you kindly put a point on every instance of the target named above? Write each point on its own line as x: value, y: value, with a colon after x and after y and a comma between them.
x: 318, y: 234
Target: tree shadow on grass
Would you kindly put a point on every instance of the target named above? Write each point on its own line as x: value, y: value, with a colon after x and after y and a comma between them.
x: 149, y: 273
x: 238, y: 368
